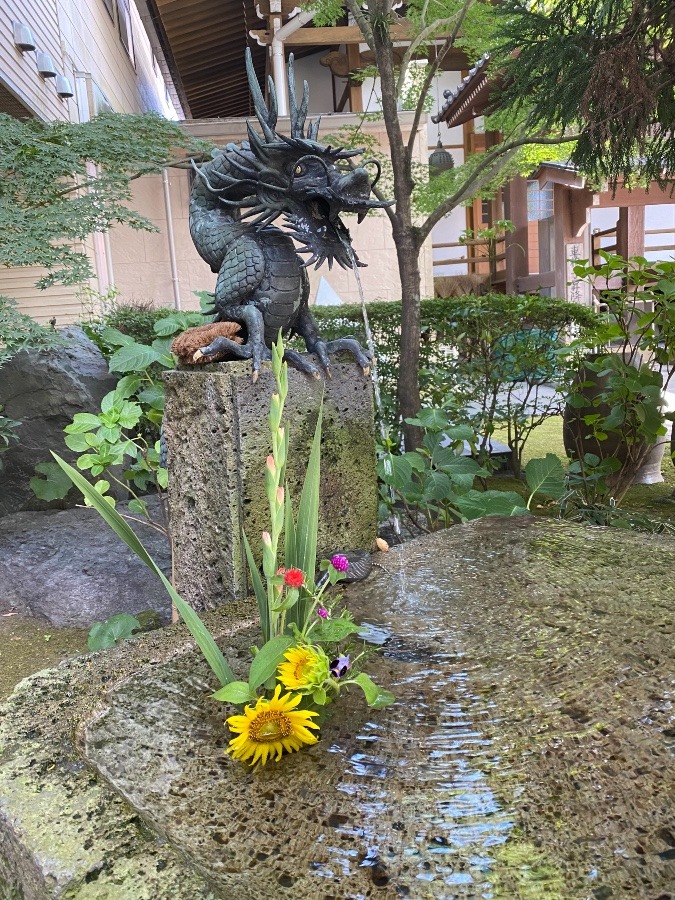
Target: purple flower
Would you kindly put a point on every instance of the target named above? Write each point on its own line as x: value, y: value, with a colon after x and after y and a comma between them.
x: 339, y: 666
x: 339, y: 562
x: 322, y: 612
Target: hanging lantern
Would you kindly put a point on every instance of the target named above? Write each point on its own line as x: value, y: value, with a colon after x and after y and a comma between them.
x: 440, y: 160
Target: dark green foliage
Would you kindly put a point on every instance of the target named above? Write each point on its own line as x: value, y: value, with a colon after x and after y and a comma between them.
x: 19, y: 332
x: 60, y: 182
x: 606, y: 67
x: 459, y: 339
x: 135, y: 320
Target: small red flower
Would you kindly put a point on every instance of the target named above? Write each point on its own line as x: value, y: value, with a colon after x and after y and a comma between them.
x: 294, y: 578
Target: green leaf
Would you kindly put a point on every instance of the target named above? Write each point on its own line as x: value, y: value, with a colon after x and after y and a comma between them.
x: 170, y: 325
x: 133, y: 358
x: 436, y: 486
x: 237, y: 692
x: 195, y: 626
x: 83, y: 422
x: 54, y: 486
x: 308, y: 517
x: 163, y: 478
x: 375, y: 696
x: 320, y: 697
x: 77, y: 442
x: 546, y: 476
x: 476, y: 504
x: 112, y: 631
x: 115, y: 338
x: 434, y: 419
x: 267, y: 659
x: 332, y: 631
x: 130, y: 414
x: 127, y: 386
x: 153, y: 396
x: 138, y: 506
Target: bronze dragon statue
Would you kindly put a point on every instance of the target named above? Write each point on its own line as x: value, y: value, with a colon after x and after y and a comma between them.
x: 236, y: 196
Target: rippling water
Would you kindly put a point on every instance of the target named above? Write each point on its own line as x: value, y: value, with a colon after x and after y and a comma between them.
x: 529, y: 753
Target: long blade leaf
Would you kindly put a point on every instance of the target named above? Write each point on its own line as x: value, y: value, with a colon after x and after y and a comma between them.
x: 258, y: 590
x: 290, y: 548
x: 195, y: 626
x: 308, y: 514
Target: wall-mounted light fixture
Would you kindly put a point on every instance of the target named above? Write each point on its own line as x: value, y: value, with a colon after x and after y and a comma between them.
x: 23, y: 36
x: 45, y: 65
x: 63, y: 87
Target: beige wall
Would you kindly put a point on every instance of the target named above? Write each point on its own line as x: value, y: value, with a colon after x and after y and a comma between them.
x: 141, y: 261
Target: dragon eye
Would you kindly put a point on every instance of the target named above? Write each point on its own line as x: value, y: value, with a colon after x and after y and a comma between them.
x: 298, y: 170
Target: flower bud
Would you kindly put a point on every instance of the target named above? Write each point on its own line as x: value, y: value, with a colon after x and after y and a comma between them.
x: 266, y: 539
x: 381, y: 544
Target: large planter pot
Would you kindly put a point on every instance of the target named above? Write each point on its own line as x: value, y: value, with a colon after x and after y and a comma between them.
x: 578, y: 442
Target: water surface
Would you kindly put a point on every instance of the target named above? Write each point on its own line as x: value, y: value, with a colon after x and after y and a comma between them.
x: 529, y: 754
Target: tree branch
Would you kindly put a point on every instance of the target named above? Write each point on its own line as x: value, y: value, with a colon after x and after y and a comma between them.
x: 482, y: 175
x: 423, y: 36
x: 433, y: 69
x: 361, y: 20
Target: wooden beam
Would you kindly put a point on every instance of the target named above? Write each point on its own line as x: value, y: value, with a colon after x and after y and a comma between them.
x: 655, y: 196
x: 515, y: 209
x: 630, y: 231
x: 355, y: 92
x: 327, y: 36
x: 530, y: 283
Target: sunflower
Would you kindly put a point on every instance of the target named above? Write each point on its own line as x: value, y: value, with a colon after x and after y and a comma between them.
x: 305, y: 667
x: 270, y: 727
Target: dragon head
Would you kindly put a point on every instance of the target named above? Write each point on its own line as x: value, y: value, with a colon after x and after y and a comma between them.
x: 309, y: 183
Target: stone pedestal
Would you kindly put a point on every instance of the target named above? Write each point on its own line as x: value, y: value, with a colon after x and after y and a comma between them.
x: 218, y: 439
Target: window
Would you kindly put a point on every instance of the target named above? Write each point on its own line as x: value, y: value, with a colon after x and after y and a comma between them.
x: 124, y: 23
x: 539, y: 201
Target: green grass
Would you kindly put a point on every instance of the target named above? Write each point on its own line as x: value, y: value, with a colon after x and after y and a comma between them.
x: 651, y: 499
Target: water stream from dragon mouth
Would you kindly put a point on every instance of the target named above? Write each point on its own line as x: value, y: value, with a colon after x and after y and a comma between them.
x: 375, y: 375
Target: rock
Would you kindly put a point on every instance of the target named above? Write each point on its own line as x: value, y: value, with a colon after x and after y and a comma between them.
x: 44, y: 390
x: 217, y: 437
x: 532, y: 732
x: 69, y: 567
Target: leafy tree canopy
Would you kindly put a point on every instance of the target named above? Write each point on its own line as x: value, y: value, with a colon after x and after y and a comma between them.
x: 608, y: 67
x: 60, y: 182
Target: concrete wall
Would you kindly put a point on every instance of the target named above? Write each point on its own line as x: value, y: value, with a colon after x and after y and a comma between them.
x: 141, y: 262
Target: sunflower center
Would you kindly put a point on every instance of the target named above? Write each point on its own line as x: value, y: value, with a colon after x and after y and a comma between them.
x: 269, y: 725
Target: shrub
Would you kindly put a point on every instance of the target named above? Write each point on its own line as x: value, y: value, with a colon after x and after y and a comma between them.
x: 474, y: 350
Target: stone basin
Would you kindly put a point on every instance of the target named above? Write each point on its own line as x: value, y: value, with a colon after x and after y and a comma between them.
x: 529, y: 753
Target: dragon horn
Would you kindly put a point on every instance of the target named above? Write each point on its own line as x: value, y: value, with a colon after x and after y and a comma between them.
x: 313, y: 129
x: 298, y: 115
x: 266, y: 117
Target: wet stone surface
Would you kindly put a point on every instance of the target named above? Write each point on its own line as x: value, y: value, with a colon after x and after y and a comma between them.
x: 529, y: 754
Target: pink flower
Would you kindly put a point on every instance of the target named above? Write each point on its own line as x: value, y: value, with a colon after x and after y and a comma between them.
x: 339, y: 562
x: 294, y: 578
x: 322, y: 612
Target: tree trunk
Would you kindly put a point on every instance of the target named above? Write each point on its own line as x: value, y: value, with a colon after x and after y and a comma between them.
x: 408, y: 378
x: 405, y: 237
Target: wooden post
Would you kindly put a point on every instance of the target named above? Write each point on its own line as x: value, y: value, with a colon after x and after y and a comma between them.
x: 630, y: 231
x: 515, y: 209
x: 355, y: 92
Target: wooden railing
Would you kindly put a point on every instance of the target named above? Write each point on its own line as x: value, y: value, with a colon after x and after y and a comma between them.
x: 597, y: 236
x: 477, y: 263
